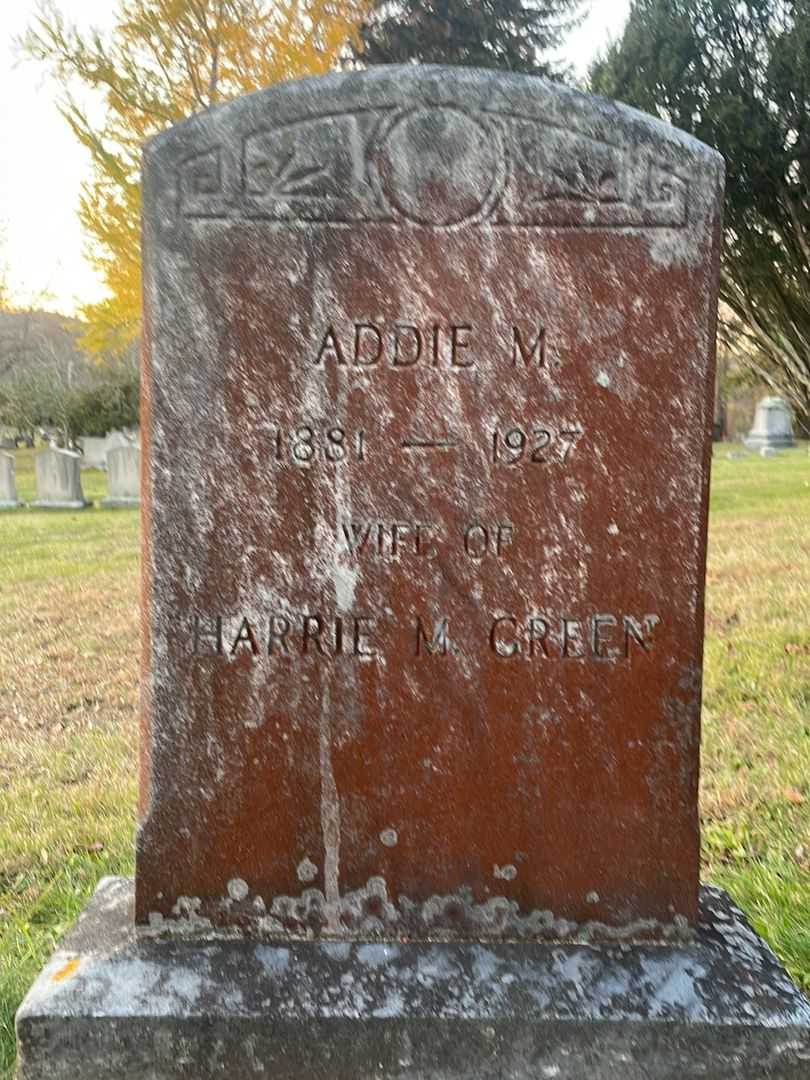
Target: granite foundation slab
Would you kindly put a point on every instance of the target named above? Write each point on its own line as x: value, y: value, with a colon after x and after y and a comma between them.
x: 120, y: 502
x: 61, y: 504
x: 112, y: 1004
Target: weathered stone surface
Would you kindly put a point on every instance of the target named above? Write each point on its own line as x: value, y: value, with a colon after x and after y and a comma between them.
x: 123, y: 477
x: 115, y: 440
x: 94, y: 451
x: 773, y: 425
x: 428, y: 405
x: 58, y: 480
x: 110, y: 1005
x: 8, y: 487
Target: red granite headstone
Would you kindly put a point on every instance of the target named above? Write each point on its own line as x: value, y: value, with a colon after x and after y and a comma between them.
x: 428, y: 382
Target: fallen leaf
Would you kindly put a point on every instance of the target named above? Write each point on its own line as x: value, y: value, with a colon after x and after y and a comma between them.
x: 66, y: 971
x: 793, y: 796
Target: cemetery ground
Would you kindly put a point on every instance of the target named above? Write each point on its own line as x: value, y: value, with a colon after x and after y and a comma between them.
x: 69, y: 697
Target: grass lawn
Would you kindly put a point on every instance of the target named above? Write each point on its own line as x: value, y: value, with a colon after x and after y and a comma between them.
x: 68, y: 708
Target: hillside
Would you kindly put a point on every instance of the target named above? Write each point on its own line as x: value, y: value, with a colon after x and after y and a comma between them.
x: 31, y: 338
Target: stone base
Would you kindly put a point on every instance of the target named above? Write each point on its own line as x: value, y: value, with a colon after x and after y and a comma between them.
x: 763, y: 442
x: 82, y: 504
x: 6, y: 504
x: 115, y: 503
x: 110, y: 1004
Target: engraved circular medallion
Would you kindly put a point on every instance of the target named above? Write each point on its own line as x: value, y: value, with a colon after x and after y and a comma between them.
x: 437, y: 166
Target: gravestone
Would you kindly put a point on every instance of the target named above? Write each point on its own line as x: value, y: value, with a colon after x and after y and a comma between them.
x: 430, y: 476
x: 94, y: 451
x: 773, y: 425
x: 428, y: 387
x: 59, y: 485
x: 8, y: 488
x: 123, y: 478
x: 114, y: 440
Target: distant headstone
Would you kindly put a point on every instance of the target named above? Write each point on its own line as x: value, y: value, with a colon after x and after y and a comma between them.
x: 94, y: 451
x: 773, y: 425
x: 768, y: 451
x: 8, y: 488
x: 115, y: 440
x: 123, y: 478
x: 8, y: 443
x: 423, y: 605
x: 59, y: 485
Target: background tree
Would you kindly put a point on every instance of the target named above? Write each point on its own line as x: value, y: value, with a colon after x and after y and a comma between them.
x: 736, y: 73
x: 515, y: 35
x: 48, y: 383
x: 5, y: 283
x: 163, y: 61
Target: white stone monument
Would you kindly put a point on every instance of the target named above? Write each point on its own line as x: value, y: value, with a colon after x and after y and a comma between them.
x: 59, y: 485
x: 8, y: 489
x: 94, y: 451
x: 773, y: 426
x: 123, y: 478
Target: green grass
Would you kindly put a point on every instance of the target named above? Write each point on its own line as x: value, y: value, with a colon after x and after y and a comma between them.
x: 47, y: 545
x: 755, y: 790
x: 68, y: 711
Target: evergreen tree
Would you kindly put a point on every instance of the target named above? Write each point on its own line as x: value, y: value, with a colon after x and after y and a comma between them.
x: 736, y: 73
x: 515, y: 35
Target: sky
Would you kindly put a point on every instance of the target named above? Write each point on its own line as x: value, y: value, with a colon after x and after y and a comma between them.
x: 42, y: 166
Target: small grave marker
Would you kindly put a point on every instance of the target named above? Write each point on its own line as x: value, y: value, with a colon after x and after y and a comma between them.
x: 773, y: 426
x: 123, y: 478
x: 8, y: 488
x: 59, y: 485
x: 94, y: 451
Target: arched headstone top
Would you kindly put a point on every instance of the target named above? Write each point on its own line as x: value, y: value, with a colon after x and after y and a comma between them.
x: 435, y: 148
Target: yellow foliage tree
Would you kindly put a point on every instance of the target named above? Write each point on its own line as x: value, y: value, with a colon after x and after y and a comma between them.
x: 163, y: 61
